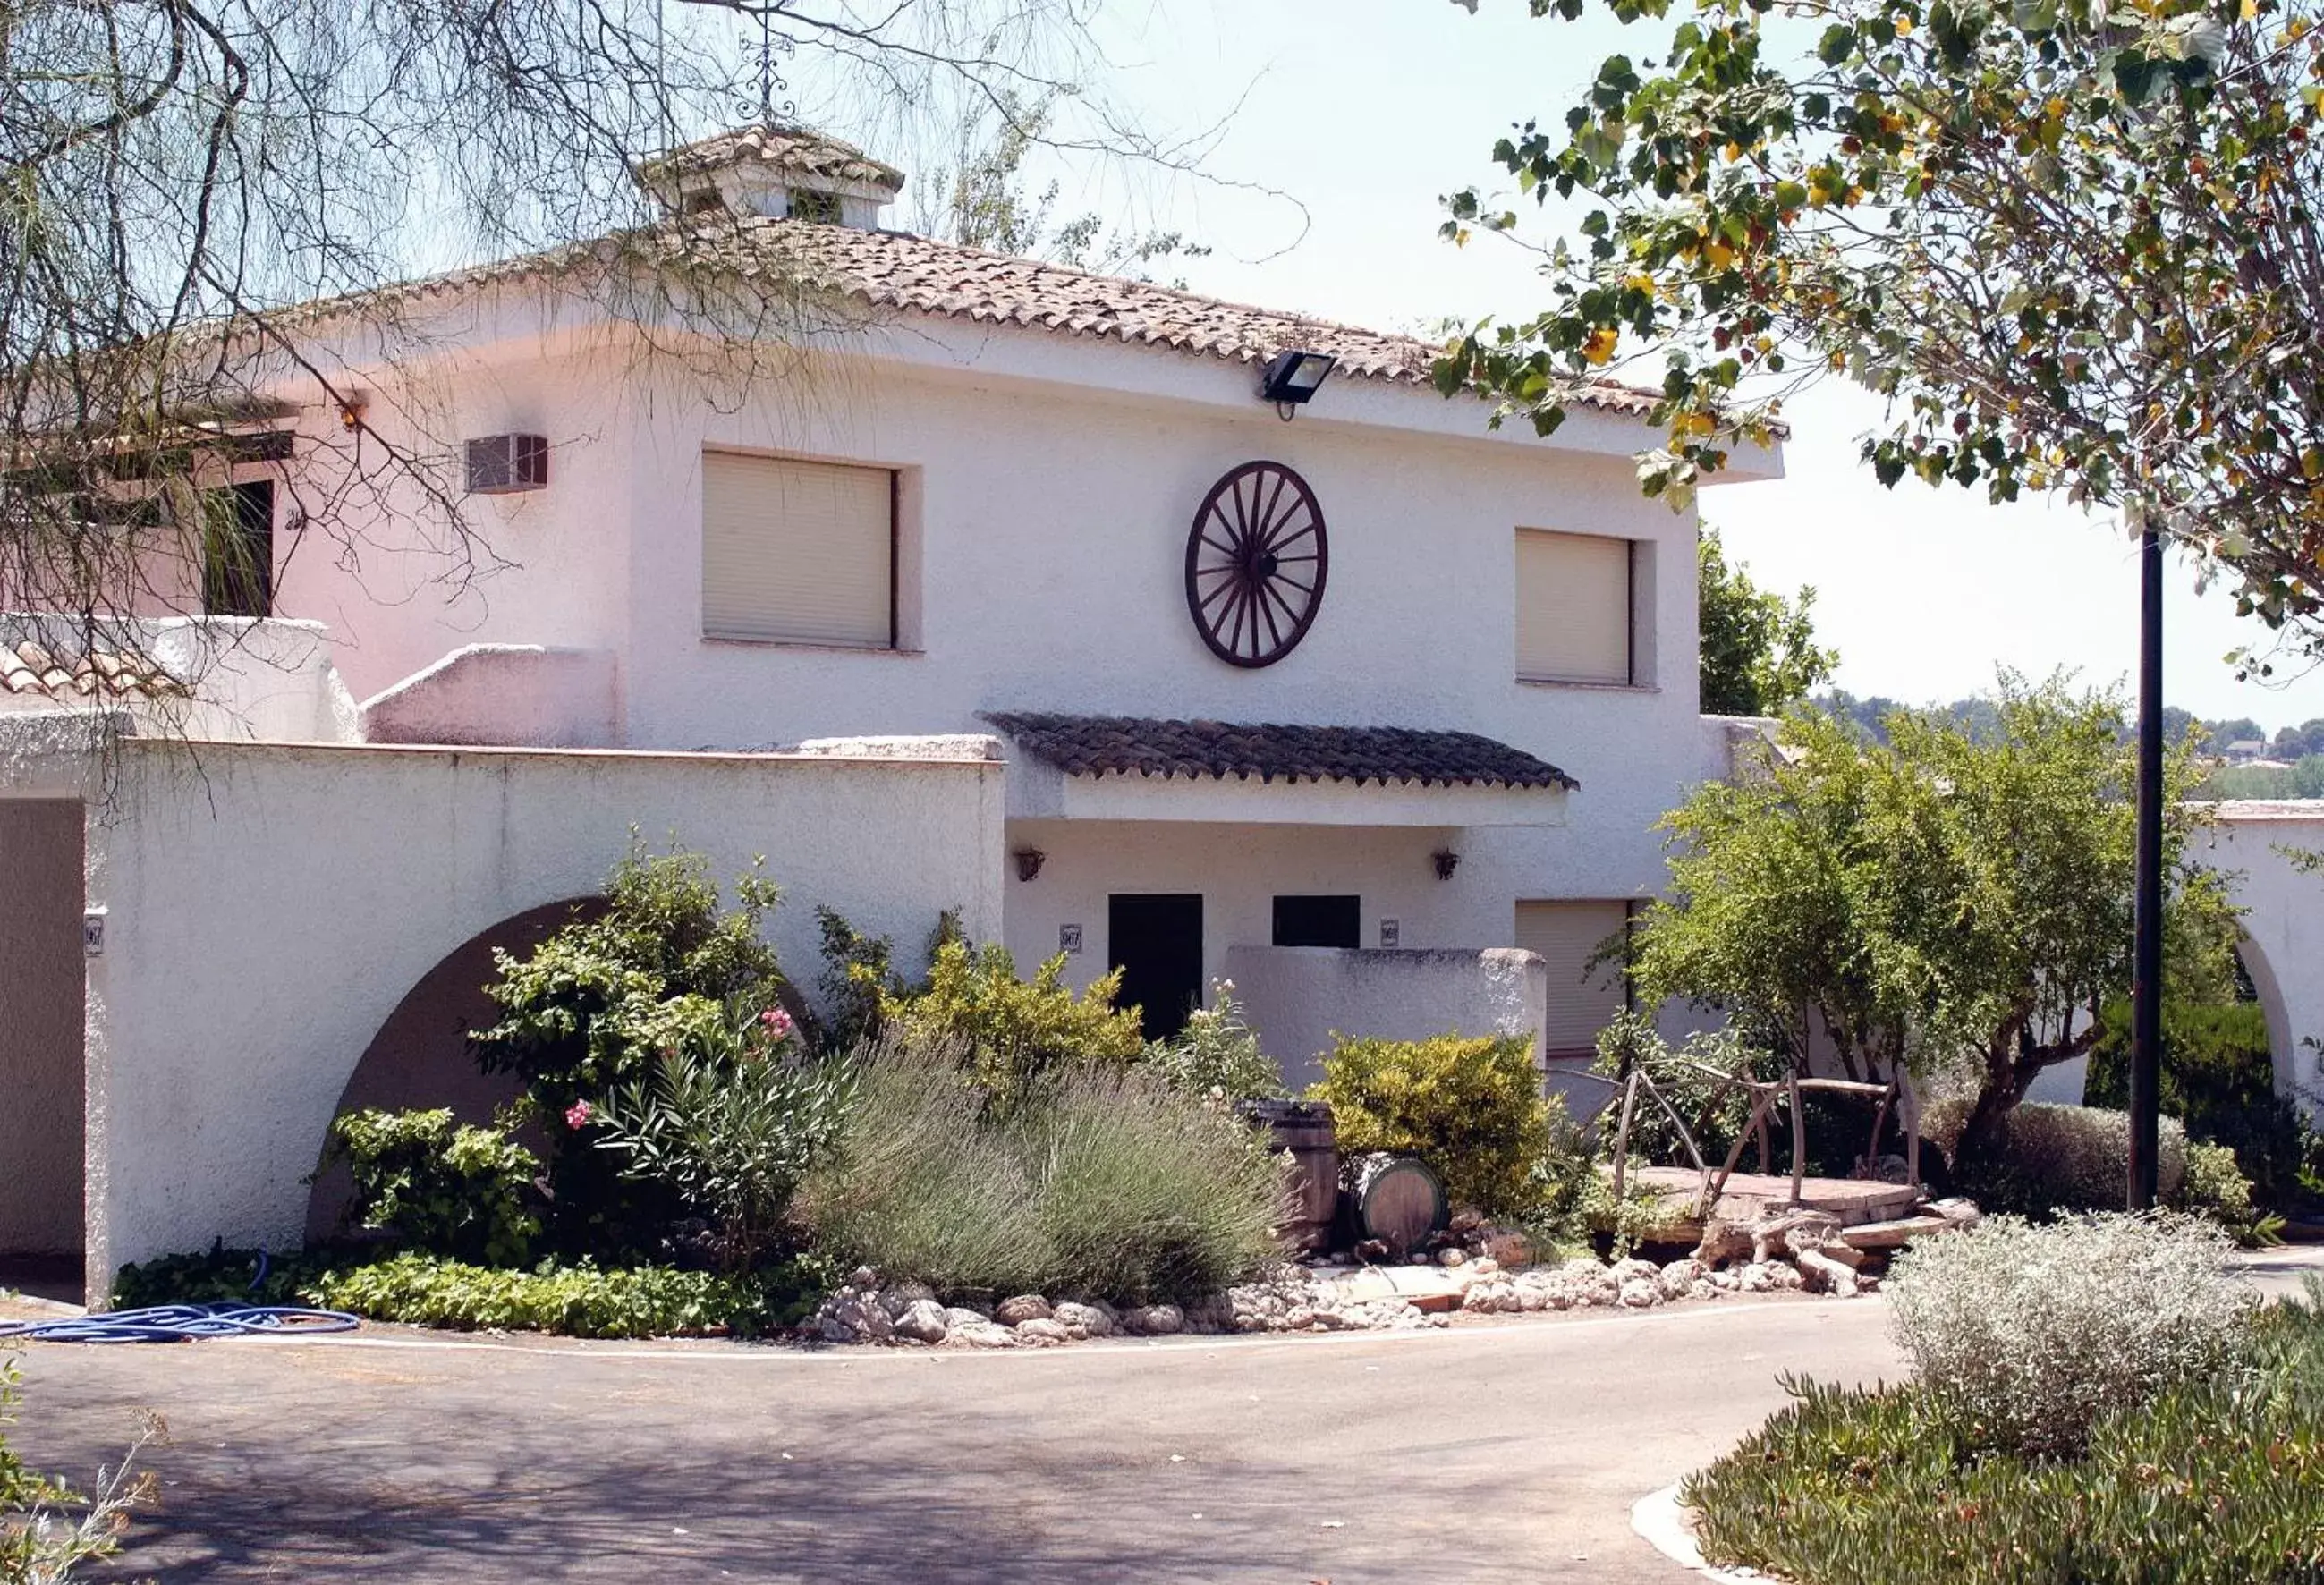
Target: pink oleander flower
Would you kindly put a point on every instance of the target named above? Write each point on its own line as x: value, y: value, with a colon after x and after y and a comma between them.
x: 777, y: 1021
x: 579, y: 1114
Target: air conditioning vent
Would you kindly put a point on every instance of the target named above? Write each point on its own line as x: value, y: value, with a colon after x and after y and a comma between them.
x: 502, y: 464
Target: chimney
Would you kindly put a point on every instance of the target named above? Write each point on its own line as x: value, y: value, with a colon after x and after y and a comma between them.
x: 782, y: 173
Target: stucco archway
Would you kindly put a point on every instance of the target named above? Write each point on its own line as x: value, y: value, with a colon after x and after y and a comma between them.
x: 420, y: 1056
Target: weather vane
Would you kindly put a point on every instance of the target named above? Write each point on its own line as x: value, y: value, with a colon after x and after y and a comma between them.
x: 770, y: 82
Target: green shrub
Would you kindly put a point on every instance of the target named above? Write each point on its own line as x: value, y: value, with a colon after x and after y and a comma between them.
x: 2220, y: 1482
x: 431, y: 1183
x: 2217, y: 1190
x: 219, y: 1275
x: 590, y: 1009
x: 577, y: 1300
x: 2218, y: 1078
x: 1100, y: 1183
x: 1149, y: 1194
x: 1471, y: 1108
x: 729, y: 1130
x: 2031, y: 1330
x: 1216, y: 1057
x: 2057, y: 1159
x: 1015, y: 1032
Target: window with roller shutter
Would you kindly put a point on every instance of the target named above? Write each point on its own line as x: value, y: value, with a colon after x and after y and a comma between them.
x: 1582, y: 1001
x: 798, y: 552
x: 1575, y: 603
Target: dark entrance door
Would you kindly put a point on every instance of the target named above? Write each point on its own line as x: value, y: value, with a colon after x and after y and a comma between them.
x: 1156, y: 939
x: 1319, y: 921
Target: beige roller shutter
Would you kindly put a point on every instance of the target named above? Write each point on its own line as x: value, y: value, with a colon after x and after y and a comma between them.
x: 1567, y: 934
x: 796, y: 551
x: 1573, y: 607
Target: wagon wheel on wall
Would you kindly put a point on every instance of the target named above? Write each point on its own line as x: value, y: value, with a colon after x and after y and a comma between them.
x: 1256, y: 559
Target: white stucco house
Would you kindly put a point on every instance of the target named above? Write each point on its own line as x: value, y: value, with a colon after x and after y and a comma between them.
x: 1004, y: 588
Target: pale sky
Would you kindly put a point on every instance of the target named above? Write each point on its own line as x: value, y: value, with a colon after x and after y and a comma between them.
x: 1366, y: 110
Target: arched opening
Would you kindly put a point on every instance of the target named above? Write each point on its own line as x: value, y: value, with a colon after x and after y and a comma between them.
x: 2264, y: 989
x: 420, y: 1057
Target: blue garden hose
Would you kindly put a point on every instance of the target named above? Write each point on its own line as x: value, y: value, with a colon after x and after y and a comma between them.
x: 178, y: 1323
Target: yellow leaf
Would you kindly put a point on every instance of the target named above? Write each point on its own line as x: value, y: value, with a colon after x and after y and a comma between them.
x: 1721, y: 255
x: 1599, y: 346
x: 1904, y: 23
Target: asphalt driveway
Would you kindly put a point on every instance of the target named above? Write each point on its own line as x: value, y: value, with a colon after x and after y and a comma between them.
x: 1508, y: 1451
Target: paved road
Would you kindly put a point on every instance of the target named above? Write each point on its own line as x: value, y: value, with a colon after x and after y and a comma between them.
x: 1508, y: 1451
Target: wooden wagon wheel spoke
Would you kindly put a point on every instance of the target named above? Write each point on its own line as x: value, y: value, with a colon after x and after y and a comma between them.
x: 1257, y: 524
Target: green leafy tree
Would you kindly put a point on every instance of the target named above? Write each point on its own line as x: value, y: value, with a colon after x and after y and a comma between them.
x: 2072, y: 247
x: 1015, y: 1033
x: 1758, y: 650
x: 1945, y: 898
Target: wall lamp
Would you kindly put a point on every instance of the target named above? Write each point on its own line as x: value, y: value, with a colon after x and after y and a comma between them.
x: 1028, y: 863
x: 1292, y: 379
x: 1446, y: 862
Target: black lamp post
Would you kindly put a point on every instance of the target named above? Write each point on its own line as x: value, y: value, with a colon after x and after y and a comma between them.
x: 2146, y: 948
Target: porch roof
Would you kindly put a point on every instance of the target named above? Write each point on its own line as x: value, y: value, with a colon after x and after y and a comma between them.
x: 1121, y: 745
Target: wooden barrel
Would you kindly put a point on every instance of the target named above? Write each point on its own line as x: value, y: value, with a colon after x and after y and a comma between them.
x: 1303, y: 1131
x: 1396, y: 1199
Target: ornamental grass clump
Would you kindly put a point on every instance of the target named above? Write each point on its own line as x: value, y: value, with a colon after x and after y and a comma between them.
x: 2029, y: 1333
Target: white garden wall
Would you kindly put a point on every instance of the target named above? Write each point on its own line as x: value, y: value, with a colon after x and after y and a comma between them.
x: 1300, y: 999
x: 2254, y: 842
x: 267, y: 907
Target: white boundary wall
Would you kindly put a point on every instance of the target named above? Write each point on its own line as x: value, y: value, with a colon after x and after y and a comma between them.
x: 267, y: 907
x: 1299, y: 997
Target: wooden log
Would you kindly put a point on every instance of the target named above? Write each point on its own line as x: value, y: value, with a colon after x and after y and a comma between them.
x: 1622, y: 1134
x: 1893, y: 1235
x: 1823, y: 1271
x: 1798, y: 1142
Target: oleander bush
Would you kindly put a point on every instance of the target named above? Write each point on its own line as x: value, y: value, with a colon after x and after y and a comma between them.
x: 1471, y: 1107
x: 662, y: 967
x: 1216, y: 1057
x: 2030, y: 1333
x: 2218, y: 1481
x: 1099, y: 1182
x: 429, y: 1182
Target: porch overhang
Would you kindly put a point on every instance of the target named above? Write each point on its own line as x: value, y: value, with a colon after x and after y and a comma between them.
x: 1126, y: 767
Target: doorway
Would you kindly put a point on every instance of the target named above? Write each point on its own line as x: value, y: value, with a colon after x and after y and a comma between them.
x: 1319, y: 921
x: 238, y: 551
x: 42, y: 993
x: 1156, y: 939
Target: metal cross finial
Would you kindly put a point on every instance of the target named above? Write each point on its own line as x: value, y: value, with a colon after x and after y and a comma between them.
x: 769, y: 82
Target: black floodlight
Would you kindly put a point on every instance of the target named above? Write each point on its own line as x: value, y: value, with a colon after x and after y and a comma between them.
x: 1293, y: 377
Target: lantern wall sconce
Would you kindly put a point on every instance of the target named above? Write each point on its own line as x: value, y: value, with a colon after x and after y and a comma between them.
x: 1446, y: 860
x: 1028, y: 863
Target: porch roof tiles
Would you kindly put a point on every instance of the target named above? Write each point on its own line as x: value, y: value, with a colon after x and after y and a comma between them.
x: 28, y: 667
x: 1125, y: 745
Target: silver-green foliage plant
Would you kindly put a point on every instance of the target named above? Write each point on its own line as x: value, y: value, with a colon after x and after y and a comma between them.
x: 1216, y: 1057
x: 730, y: 1123
x: 2051, y: 1157
x: 1100, y: 1183
x: 47, y: 1530
x: 2031, y: 1333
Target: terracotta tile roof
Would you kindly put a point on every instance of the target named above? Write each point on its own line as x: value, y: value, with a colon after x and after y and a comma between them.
x: 894, y: 271
x: 1120, y: 745
x: 27, y: 667
x: 785, y: 148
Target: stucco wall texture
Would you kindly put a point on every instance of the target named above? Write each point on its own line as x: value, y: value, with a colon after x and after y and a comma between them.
x: 39, y: 1025
x: 1302, y: 997
x: 2284, y: 928
x: 269, y: 906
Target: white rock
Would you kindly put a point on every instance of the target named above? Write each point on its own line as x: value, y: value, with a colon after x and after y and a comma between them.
x: 1726, y: 1282
x: 1154, y: 1320
x: 923, y: 1321
x: 1453, y: 1257
x: 1756, y: 1278
x: 960, y: 1315
x: 1484, y: 1265
x: 1042, y: 1331
x: 984, y: 1334
x: 904, y: 1296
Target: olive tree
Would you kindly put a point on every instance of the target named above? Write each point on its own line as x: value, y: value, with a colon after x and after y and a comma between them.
x: 1943, y: 899
x: 2073, y: 246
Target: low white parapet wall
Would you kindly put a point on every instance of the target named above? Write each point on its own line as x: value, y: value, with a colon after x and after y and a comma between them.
x: 231, y: 679
x: 1299, y: 998
x: 516, y: 696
